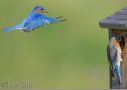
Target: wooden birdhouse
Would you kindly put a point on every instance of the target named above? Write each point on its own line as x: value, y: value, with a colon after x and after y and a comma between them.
x: 117, y: 26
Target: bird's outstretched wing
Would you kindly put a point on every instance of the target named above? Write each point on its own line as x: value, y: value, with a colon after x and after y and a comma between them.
x: 38, y: 21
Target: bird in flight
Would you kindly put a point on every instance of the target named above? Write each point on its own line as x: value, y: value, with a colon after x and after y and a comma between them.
x: 114, y: 53
x: 34, y: 20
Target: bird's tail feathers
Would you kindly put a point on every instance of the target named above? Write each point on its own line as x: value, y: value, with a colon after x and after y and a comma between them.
x: 118, y: 74
x: 60, y: 18
x: 10, y: 29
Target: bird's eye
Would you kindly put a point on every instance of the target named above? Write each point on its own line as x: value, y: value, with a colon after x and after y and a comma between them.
x: 42, y: 9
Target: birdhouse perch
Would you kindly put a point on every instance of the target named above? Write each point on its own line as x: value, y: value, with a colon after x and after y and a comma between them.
x: 117, y: 25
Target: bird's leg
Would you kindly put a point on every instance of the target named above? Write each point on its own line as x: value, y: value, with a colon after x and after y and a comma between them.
x: 123, y: 53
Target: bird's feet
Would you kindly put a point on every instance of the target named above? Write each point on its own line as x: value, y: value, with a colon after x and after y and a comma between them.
x: 123, y: 53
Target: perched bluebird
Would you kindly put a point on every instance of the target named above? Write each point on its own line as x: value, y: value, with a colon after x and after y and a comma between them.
x: 34, y: 20
x: 114, y: 55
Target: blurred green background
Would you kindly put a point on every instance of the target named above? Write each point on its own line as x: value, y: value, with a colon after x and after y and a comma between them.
x: 66, y: 55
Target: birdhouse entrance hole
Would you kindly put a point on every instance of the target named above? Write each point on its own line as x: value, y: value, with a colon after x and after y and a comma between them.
x: 123, y: 35
x: 122, y: 45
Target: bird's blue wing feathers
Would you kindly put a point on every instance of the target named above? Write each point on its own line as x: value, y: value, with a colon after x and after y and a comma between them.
x: 38, y: 21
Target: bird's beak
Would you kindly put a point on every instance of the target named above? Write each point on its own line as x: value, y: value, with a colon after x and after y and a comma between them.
x: 45, y: 11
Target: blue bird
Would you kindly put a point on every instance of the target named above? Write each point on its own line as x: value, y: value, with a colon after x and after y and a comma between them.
x: 34, y: 20
x: 114, y: 53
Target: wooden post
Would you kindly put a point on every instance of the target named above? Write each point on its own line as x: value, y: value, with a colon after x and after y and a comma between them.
x: 117, y: 25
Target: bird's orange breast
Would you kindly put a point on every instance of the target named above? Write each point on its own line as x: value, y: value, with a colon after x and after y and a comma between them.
x: 37, y: 12
x: 118, y: 48
x: 117, y: 45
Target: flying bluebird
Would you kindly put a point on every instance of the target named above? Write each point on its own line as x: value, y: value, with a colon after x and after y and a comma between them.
x: 114, y: 55
x: 34, y: 20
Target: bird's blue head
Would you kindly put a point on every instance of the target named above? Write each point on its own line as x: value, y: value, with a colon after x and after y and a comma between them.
x: 40, y: 9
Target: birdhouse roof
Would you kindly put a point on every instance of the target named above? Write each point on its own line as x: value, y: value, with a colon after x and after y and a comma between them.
x: 116, y: 21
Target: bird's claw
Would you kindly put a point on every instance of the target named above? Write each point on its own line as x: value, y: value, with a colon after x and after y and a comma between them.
x: 123, y: 53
